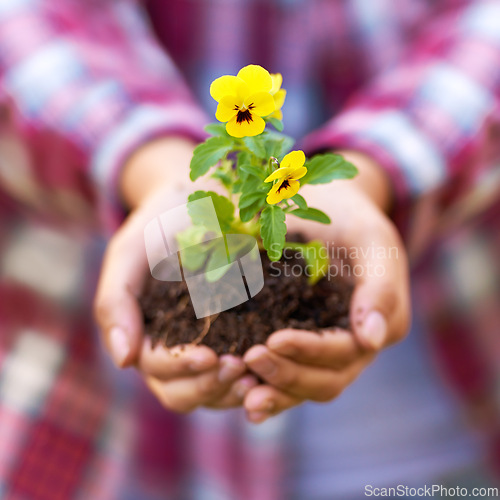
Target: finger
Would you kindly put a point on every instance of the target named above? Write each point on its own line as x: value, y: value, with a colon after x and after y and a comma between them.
x: 179, y: 361
x: 116, y: 308
x: 183, y: 395
x: 301, y: 381
x: 186, y: 394
x: 264, y: 401
x: 236, y: 394
x: 380, y: 303
x: 329, y: 348
x: 379, y: 314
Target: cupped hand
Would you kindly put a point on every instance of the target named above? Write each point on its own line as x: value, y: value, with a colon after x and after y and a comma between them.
x: 298, y: 365
x: 155, y: 180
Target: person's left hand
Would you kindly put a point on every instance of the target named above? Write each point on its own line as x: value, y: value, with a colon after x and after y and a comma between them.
x: 298, y: 365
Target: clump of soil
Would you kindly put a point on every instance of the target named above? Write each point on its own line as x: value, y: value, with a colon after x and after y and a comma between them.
x: 286, y: 301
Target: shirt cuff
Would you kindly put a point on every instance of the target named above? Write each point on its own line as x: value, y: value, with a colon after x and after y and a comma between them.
x: 413, y: 163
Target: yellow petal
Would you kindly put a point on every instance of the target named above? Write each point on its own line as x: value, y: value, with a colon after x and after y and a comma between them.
x: 298, y: 173
x: 291, y: 190
x: 279, y: 192
x: 294, y: 159
x: 226, y: 85
x: 279, y: 98
x: 246, y: 129
x: 277, y: 80
x: 280, y: 173
x: 277, y: 114
x: 257, y: 78
x: 273, y: 196
x: 261, y: 104
x: 227, y: 108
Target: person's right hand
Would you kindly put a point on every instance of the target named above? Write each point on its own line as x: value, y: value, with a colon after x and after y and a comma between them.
x: 154, y: 180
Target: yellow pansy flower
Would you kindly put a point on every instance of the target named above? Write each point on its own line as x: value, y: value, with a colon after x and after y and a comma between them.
x: 291, y: 169
x: 278, y: 94
x: 243, y: 100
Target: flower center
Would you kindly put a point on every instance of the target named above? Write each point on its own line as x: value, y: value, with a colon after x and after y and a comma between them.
x: 284, y: 185
x: 244, y: 114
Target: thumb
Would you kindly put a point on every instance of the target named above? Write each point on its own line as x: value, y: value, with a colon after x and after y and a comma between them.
x: 116, y: 309
x: 372, y: 307
x: 120, y: 320
x: 380, y: 305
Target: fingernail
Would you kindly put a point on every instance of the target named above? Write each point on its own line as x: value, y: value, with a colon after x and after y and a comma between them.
x: 242, y: 390
x: 147, y: 344
x: 282, y: 347
x: 374, y: 330
x: 267, y: 406
x: 200, y: 362
x: 230, y: 369
x: 260, y: 362
x: 257, y: 417
x: 120, y: 346
x: 244, y: 385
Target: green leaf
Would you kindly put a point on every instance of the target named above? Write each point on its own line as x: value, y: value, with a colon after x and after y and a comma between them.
x: 207, y: 155
x: 300, y: 201
x: 277, y: 124
x: 223, y: 177
x: 249, y: 198
x: 193, y: 258
x: 223, y: 254
x: 248, y: 213
x: 217, y: 264
x: 260, y: 173
x: 315, y: 253
x: 276, y: 144
x: 311, y: 214
x: 252, y: 184
x: 192, y: 235
x: 273, y: 231
x: 217, y: 129
x: 256, y: 146
x: 244, y: 158
x: 250, y: 176
x: 189, y: 240
x: 224, y: 209
x: 326, y: 167
x: 237, y: 186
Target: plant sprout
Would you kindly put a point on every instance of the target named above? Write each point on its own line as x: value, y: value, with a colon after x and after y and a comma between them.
x: 256, y: 168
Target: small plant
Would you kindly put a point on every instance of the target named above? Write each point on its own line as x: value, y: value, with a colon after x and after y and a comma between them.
x: 260, y: 174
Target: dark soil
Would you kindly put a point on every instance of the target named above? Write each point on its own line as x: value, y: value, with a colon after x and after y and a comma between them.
x: 285, y: 301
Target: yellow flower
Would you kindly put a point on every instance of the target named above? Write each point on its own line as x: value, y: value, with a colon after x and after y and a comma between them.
x: 291, y: 169
x: 279, y: 95
x: 243, y: 100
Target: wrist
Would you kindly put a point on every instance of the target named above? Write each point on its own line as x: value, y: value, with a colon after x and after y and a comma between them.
x: 372, y: 179
x: 161, y: 162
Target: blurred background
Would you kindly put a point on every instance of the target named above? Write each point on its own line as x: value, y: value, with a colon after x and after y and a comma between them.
x: 83, y: 83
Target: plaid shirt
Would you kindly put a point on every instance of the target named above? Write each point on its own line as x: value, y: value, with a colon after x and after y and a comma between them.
x: 413, y: 83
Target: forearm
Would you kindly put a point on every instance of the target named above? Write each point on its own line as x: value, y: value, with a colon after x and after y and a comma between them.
x: 372, y: 179
x: 429, y: 119
x: 153, y: 165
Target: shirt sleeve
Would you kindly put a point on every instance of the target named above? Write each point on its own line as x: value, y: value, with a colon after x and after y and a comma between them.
x: 431, y: 121
x: 83, y: 84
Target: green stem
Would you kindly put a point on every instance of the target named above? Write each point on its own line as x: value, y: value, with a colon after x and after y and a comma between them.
x: 272, y: 161
x: 251, y: 228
